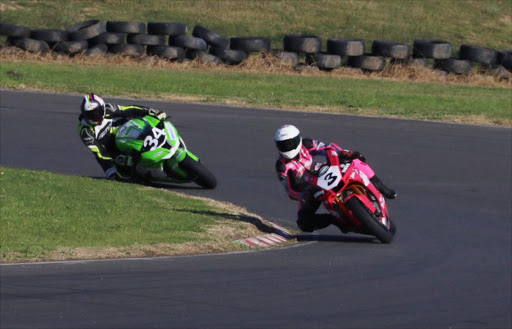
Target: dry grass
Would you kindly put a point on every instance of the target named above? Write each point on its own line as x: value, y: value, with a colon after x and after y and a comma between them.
x: 263, y: 63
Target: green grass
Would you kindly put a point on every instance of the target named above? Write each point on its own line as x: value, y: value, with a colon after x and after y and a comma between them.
x: 42, y: 212
x: 485, y: 23
x: 323, y: 92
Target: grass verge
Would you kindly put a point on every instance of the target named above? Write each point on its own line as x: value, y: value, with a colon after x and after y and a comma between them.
x: 334, y: 92
x: 46, y: 216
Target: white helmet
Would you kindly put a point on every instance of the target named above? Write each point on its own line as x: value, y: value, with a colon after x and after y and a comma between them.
x: 288, y: 141
x: 93, y: 109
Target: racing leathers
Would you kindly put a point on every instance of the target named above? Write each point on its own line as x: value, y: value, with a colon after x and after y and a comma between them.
x: 290, y: 173
x: 100, y: 138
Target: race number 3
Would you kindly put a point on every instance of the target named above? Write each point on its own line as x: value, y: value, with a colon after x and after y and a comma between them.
x: 330, y: 179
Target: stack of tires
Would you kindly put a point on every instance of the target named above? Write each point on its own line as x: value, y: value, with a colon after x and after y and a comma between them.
x: 234, y: 50
x: 69, y: 42
x: 488, y: 60
x: 136, y: 39
x: 340, y: 52
x: 169, y: 40
x: 309, y: 46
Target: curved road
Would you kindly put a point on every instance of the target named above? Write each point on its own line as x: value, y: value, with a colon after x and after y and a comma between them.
x: 448, y: 267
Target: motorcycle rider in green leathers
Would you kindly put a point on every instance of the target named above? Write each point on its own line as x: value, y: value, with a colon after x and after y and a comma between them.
x: 98, y: 123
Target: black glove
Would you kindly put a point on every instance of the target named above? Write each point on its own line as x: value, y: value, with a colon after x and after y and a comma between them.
x: 157, y: 114
x: 355, y: 155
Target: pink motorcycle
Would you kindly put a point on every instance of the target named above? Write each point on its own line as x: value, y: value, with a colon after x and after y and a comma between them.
x: 346, y: 192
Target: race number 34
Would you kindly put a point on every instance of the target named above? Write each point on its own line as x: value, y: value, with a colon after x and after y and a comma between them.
x: 157, y: 140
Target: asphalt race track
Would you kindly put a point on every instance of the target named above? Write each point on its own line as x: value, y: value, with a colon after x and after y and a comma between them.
x: 448, y: 267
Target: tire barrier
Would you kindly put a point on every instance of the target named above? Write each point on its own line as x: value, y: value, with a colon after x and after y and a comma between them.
x: 169, y: 41
x: 324, y: 61
x: 250, y: 44
x: 167, y: 52
x: 86, y: 30
x: 344, y: 47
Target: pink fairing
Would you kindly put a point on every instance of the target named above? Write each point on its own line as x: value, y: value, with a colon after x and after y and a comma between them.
x: 297, y: 167
x: 364, y: 167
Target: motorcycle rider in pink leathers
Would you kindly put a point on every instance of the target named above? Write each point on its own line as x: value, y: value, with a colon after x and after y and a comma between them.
x: 295, y: 156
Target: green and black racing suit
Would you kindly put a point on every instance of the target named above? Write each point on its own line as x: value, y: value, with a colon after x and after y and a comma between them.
x: 100, y: 139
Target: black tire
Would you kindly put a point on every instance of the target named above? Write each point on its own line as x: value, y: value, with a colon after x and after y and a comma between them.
x: 211, y: 37
x: 108, y: 38
x: 368, y: 62
x: 229, y: 56
x: 505, y: 59
x: 70, y: 47
x: 324, y: 61
x: 147, y: 39
x: 188, y: 42
x: 250, y: 44
x: 86, y: 30
x: 198, y: 173
x: 127, y: 49
x: 478, y: 54
x: 32, y: 45
x: 167, y: 52
x: 299, y: 43
x: 457, y: 66
x: 126, y: 27
x: 16, y: 31
x: 344, y: 47
x: 163, y: 28
x: 96, y: 50
x: 436, y: 49
x: 203, y: 57
x: 390, y: 49
x: 49, y: 35
x: 370, y: 222
x: 286, y: 57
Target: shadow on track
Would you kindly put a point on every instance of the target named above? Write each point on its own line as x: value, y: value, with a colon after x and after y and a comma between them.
x: 260, y: 225
x: 335, y: 238
x: 169, y: 186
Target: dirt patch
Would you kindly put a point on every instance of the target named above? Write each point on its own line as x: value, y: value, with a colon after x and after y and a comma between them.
x: 4, y: 7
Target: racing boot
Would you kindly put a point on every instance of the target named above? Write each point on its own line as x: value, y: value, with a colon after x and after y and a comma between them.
x: 342, y: 228
x: 389, y: 193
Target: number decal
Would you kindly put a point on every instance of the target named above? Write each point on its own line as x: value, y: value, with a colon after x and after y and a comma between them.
x: 331, y: 178
x: 155, y: 141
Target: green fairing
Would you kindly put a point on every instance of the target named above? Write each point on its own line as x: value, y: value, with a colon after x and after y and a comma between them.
x: 132, y: 138
x: 154, y: 159
x: 126, y: 139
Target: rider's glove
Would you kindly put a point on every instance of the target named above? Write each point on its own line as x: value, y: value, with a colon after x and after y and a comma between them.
x: 124, y: 160
x: 157, y: 114
x: 355, y: 155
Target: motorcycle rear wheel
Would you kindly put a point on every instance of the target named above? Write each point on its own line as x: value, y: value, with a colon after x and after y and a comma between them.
x: 198, y: 173
x: 370, y: 222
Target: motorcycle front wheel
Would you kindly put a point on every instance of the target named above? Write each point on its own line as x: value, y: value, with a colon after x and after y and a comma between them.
x: 198, y: 173
x: 370, y: 222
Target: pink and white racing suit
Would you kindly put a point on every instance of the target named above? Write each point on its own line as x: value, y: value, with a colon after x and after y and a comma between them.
x: 290, y: 173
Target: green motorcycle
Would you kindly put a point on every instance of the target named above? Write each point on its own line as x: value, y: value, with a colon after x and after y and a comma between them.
x: 160, y: 153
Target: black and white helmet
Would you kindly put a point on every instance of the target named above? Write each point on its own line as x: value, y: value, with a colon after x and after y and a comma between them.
x: 93, y: 109
x: 288, y: 141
